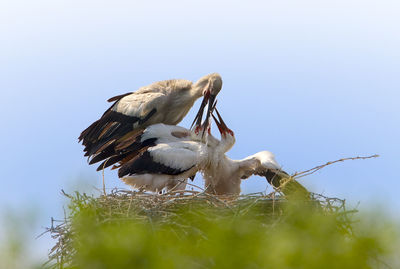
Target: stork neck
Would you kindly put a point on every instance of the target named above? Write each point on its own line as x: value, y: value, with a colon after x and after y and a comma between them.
x: 178, y: 106
x: 196, y: 92
x: 227, y: 142
x: 212, y: 141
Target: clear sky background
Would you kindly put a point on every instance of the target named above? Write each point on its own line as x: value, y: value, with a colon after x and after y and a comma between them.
x: 311, y: 81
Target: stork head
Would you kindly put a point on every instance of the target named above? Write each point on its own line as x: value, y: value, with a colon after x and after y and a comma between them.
x: 264, y: 164
x: 201, y: 132
x: 227, y: 135
x: 268, y: 167
x: 209, y: 86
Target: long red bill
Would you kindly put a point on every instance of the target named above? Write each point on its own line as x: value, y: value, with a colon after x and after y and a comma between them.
x: 223, y: 125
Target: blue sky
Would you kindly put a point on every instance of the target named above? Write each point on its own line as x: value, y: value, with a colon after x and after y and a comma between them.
x: 311, y: 81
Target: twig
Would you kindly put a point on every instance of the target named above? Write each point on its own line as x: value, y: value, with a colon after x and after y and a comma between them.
x: 319, y: 167
x: 104, y: 183
x: 65, y: 194
x: 182, y: 191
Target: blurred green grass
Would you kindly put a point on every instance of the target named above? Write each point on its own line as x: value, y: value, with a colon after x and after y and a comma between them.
x: 131, y: 230
x: 17, y: 235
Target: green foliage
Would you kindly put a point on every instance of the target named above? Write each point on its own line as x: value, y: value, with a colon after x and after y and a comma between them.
x: 16, y: 237
x: 131, y: 230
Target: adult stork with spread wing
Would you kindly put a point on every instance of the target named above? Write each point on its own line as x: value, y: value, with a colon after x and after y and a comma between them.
x: 161, y: 102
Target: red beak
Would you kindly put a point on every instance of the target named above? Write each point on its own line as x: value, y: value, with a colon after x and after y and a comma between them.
x: 223, y: 129
x: 210, y: 99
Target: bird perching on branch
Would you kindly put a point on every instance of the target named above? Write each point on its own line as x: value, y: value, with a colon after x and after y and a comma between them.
x: 165, y: 102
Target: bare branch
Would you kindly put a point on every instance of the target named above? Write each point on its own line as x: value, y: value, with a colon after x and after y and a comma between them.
x: 319, y: 167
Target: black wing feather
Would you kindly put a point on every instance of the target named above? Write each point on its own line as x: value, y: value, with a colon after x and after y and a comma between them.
x: 144, y: 164
x: 108, y: 129
x: 118, y: 97
x: 133, y: 150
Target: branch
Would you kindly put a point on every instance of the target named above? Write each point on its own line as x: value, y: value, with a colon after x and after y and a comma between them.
x: 315, y: 169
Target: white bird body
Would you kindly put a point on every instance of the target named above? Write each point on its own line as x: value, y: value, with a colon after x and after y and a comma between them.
x: 157, y: 182
x: 225, y: 175
x: 176, y: 155
x: 181, y: 156
x: 221, y: 176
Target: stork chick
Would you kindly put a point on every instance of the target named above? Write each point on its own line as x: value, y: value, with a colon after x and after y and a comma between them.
x: 223, y: 175
x: 164, y: 156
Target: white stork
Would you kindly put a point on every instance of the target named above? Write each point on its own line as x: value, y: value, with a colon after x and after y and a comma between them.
x: 223, y: 175
x: 164, y: 156
x: 160, y: 157
x: 161, y: 102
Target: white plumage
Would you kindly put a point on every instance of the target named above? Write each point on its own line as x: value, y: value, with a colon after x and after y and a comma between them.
x: 191, y: 154
x: 175, y: 155
x: 179, y: 155
x: 137, y: 135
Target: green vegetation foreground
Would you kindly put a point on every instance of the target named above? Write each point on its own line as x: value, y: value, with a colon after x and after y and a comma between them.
x: 135, y: 230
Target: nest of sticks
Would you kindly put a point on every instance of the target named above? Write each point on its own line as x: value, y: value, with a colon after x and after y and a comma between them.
x: 123, y: 205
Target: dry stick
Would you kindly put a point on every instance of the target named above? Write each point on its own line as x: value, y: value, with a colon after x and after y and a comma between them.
x: 175, y: 192
x: 319, y: 167
x: 217, y: 199
x: 182, y: 181
x: 308, y: 172
x: 200, y: 188
x: 104, y: 183
x: 273, y: 203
